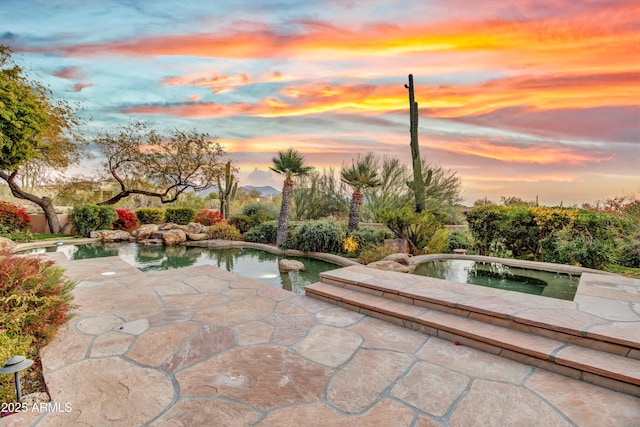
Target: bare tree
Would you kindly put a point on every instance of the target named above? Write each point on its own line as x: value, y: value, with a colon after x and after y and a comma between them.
x: 172, y: 164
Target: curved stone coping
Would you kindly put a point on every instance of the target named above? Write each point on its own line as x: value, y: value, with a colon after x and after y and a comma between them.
x: 218, y: 243
x: 531, y: 265
x: 52, y: 242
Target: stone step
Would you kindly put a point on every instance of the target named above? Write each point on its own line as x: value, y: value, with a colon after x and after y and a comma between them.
x: 546, y: 317
x: 598, y: 367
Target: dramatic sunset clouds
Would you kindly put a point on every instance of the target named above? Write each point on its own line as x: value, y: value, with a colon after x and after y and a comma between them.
x: 522, y: 98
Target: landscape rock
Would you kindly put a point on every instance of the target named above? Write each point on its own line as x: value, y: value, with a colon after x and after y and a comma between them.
x: 108, y: 236
x: 172, y: 226
x: 195, y: 228
x: 398, y: 245
x: 174, y: 237
x: 400, y: 258
x: 287, y: 265
x: 144, y: 232
x: 390, y: 266
x: 197, y: 236
x: 7, y: 245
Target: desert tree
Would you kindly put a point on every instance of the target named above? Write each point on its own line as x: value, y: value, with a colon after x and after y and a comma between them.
x: 167, y: 165
x: 37, y: 135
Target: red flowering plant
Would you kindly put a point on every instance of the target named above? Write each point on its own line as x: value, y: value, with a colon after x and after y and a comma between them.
x: 13, y: 218
x: 208, y: 217
x: 126, y: 219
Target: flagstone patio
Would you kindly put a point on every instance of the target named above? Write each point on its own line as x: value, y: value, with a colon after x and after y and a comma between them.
x: 202, y: 346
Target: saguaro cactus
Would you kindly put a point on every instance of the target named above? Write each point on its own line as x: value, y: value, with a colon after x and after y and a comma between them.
x: 418, y: 184
x: 227, y: 193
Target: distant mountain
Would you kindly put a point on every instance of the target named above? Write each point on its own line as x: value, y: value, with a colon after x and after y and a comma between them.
x: 265, y: 191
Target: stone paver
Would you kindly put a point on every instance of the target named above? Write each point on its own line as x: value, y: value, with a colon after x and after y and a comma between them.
x: 201, y: 346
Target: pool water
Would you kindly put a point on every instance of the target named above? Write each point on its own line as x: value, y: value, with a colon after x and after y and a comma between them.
x: 248, y: 262
x: 500, y: 276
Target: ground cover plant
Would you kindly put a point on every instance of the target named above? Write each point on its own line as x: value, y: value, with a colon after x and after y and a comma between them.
x: 35, y: 299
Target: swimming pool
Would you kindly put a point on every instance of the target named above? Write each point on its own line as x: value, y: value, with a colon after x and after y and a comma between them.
x: 248, y: 262
x: 501, y: 276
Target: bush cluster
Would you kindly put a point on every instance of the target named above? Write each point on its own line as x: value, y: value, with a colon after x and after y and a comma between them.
x: 180, y: 216
x: 242, y: 222
x: 262, y: 233
x: 13, y: 218
x: 35, y: 297
x: 150, y: 215
x: 89, y: 218
x: 253, y: 214
x: 35, y: 300
x: 126, y: 219
x: 224, y: 231
x: 316, y: 236
x: 423, y: 230
x: 584, y: 237
x: 370, y: 235
x: 208, y: 217
x: 374, y: 252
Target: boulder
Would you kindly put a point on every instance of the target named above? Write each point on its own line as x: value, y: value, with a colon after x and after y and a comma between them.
x: 398, y: 245
x: 7, y: 245
x: 172, y: 226
x: 400, y: 258
x: 174, y: 237
x: 195, y: 228
x: 287, y: 265
x: 390, y: 266
x: 144, y: 232
x: 197, y: 236
x: 108, y: 236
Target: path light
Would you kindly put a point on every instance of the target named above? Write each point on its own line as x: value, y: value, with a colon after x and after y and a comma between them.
x: 14, y: 366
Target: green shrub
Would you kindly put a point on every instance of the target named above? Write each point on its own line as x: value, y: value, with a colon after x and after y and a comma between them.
x: 264, y: 211
x: 224, y: 231
x: 13, y: 218
x: 89, y: 218
x: 35, y: 299
x: 262, y: 233
x: 150, y: 215
x: 13, y: 345
x: 374, y: 252
x: 629, y: 255
x: 419, y: 228
x: 459, y: 239
x: 485, y: 225
x: 242, y: 222
x: 589, y: 241
x: 369, y: 235
x: 438, y: 242
x: 316, y: 236
x: 181, y: 216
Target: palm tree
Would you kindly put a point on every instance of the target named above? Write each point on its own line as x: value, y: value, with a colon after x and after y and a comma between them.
x: 362, y: 174
x: 289, y: 163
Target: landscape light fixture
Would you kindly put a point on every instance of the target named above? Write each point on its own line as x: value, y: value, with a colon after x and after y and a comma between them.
x: 14, y: 366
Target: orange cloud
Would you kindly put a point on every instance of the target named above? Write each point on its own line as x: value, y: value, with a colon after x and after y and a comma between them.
x: 69, y: 73
x: 555, y: 42
x: 217, y: 84
x: 543, y: 154
x: 79, y: 86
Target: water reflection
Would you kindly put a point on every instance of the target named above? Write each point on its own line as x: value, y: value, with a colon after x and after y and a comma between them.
x: 248, y: 262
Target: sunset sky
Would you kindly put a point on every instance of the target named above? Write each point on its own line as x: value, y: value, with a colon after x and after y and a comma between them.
x: 521, y: 98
